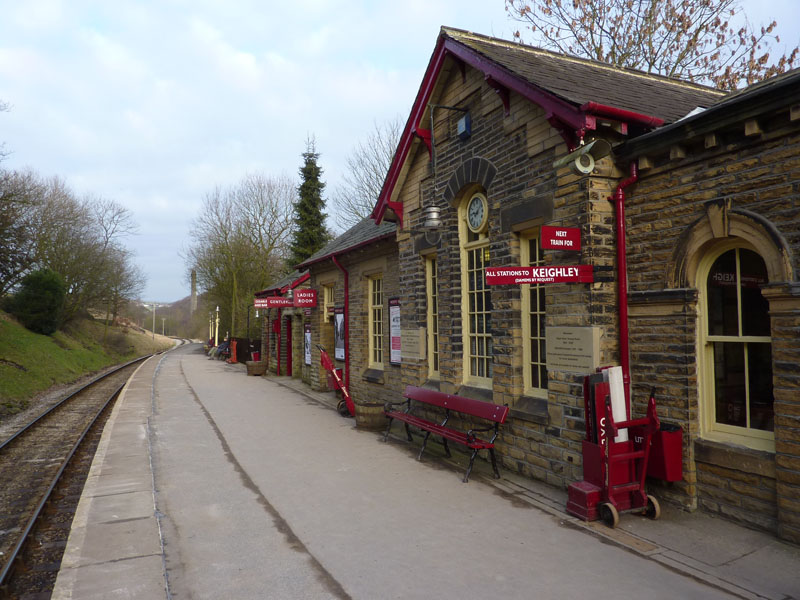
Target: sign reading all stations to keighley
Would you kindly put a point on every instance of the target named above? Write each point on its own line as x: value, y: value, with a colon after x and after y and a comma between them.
x: 560, y: 238
x: 536, y: 275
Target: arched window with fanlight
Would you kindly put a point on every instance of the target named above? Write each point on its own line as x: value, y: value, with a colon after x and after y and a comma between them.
x: 476, y: 296
x: 736, y: 345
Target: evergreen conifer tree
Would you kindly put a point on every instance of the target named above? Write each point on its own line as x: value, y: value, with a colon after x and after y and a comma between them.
x: 310, y: 233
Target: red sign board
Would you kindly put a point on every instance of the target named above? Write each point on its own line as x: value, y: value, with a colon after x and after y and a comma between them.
x: 305, y: 298
x: 561, y: 238
x: 273, y: 302
x: 535, y: 275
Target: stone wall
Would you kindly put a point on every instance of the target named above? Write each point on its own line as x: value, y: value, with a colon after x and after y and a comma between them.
x: 510, y: 156
x: 740, y: 182
x: 366, y: 385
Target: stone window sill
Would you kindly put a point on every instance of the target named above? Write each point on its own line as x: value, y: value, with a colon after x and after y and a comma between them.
x: 373, y: 376
x: 732, y: 456
x: 528, y: 408
x: 476, y: 393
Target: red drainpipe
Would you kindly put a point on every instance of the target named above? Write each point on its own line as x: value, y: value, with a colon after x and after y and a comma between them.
x: 622, y: 278
x: 278, y: 343
x: 350, y: 406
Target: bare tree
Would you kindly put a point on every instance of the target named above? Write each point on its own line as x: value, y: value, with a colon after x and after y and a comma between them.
x: 695, y: 40
x: 367, y: 165
x: 123, y: 281
x: 240, y: 241
x: 20, y: 195
x: 3, y: 107
x: 80, y: 239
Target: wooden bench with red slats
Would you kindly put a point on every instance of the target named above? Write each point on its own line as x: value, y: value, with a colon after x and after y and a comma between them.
x: 467, y: 406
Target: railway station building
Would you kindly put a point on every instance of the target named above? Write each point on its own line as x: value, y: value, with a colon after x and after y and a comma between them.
x: 659, y: 224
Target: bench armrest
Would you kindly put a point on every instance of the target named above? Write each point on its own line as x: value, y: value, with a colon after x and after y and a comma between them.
x: 471, y: 432
x: 387, y: 406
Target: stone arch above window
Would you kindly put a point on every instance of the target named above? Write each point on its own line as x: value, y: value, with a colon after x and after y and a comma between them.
x: 473, y: 171
x: 719, y: 222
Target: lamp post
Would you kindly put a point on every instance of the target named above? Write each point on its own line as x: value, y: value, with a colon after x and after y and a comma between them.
x: 162, y: 324
x: 154, y: 320
x: 216, y: 329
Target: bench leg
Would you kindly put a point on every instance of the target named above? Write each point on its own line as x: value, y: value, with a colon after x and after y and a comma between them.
x: 424, y: 443
x: 446, y: 448
x: 408, y: 432
x: 494, y: 463
x: 388, y: 429
x: 471, y: 462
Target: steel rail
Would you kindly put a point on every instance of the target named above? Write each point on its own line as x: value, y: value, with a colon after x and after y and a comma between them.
x: 46, y: 496
x: 70, y: 397
x: 7, y: 567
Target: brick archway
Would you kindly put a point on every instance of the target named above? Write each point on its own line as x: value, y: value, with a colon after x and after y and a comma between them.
x: 472, y: 171
x: 720, y: 222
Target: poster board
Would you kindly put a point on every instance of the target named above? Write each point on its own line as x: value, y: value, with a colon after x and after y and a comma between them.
x: 338, y: 333
x: 395, y: 333
x: 307, y: 343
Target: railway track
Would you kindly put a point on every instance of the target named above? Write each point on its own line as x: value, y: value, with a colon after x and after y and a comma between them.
x: 39, y: 477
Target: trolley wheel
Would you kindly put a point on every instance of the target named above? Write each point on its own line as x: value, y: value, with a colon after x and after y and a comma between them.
x: 342, y: 409
x: 653, y: 510
x: 609, y: 514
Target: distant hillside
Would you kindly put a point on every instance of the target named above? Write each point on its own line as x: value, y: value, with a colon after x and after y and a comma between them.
x: 177, y: 320
x: 31, y: 363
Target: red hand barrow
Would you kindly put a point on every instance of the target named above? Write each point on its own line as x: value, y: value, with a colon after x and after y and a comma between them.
x: 345, y: 407
x: 614, y: 466
x: 625, y: 466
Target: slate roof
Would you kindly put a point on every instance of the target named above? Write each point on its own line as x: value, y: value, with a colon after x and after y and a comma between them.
x: 282, y: 282
x: 361, y: 234
x: 760, y: 98
x: 579, y: 80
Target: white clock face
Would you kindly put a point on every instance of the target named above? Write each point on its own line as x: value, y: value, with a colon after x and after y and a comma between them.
x: 476, y: 213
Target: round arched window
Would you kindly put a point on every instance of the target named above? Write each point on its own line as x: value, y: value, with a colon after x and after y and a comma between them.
x: 739, y: 343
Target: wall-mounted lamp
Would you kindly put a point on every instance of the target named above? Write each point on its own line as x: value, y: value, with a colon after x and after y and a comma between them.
x: 431, y: 218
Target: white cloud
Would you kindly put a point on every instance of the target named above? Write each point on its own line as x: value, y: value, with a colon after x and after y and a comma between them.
x: 35, y: 15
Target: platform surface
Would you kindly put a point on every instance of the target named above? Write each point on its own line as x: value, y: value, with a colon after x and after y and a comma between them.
x: 212, y: 484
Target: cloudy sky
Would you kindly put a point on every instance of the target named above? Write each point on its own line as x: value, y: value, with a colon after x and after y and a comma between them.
x: 154, y: 102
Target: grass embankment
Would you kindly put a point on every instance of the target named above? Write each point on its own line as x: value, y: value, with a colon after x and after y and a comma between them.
x: 31, y: 363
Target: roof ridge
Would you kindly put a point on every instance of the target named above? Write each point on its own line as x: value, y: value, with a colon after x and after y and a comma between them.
x: 456, y: 33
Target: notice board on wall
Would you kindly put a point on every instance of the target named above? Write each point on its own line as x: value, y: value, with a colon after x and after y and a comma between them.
x: 307, y: 343
x: 338, y: 333
x: 395, y: 333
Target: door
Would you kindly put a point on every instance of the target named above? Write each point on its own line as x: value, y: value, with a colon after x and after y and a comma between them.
x: 289, y: 346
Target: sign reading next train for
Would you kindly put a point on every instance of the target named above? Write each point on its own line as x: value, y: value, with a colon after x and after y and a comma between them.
x: 536, y: 275
x: 560, y: 238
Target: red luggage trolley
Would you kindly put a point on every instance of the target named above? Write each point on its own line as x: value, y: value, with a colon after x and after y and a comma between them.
x: 625, y: 466
x: 614, y: 471
x: 345, y: 407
